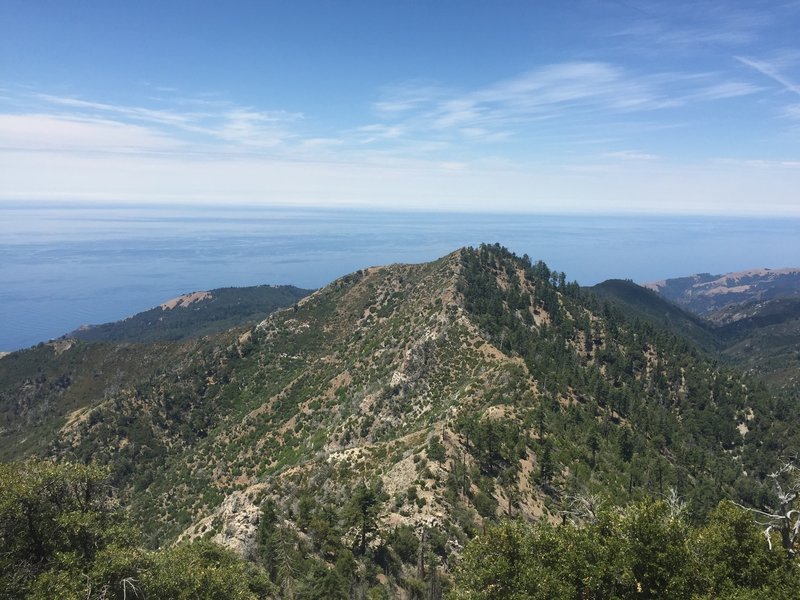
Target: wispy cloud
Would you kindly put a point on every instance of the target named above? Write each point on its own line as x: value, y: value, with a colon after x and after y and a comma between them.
x: 772, y: 72
x: 559, y: 105
x: 407, y: 97
x: 161, y: 117
x: 761, y: 163
x: 792, y: 111
x: 367, y: 134
x: 630, y: 155
x: 253, y: 128
x: 96, y: 150
x: 64, y: 134
x: 723, y: 90
x: 223, y: 121
x: 685, y: 27
x: 565, y: 84
x: 526, y: 105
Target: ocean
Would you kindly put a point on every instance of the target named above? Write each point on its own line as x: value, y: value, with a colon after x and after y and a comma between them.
x: 62, y: 266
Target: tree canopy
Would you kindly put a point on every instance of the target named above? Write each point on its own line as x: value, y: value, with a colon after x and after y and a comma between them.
x: 646, y: 551
x: 62, y: 537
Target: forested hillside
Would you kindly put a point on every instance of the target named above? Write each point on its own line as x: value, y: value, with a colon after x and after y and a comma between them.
x: 638, y: 302
x: 760, y: 337
x: 365, y: 435
x: 196, y: 314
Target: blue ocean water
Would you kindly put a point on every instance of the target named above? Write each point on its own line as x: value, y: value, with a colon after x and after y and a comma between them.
x: 64, y: 266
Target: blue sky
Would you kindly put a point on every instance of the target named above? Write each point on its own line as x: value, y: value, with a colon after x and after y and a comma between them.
x: 595, y: 106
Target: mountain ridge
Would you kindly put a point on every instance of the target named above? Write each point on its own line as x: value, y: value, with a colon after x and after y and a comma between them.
x: 705, y: 293
x: 445, y: 394
x: 647, y: 304
x: 195, y: 314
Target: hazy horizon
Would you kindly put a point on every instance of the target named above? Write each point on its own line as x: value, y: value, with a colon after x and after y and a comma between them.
x: 66, y: 266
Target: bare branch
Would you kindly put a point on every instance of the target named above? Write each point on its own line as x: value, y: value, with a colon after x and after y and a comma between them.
x: 755, y: 510
x: 583, y: 508
x: 784, y: 519
x: 676, y: 505
x: 129, y: 581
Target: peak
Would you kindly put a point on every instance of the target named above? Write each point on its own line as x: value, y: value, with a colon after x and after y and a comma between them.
x: 619, y: 283
x: 435, y: 279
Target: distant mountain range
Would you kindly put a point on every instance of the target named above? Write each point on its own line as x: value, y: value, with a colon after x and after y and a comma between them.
x: 704, y: 294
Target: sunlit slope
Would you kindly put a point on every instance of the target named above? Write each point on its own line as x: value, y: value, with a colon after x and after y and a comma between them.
x: 477, y: 385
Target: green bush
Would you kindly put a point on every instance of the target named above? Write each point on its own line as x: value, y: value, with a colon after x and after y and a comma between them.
x: 62, y: 537
x: 643, y: 552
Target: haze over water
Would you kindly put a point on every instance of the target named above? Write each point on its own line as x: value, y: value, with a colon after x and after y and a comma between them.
x: 62, y: 267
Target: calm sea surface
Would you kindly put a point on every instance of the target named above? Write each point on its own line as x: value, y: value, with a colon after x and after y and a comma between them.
x: 61, y: 267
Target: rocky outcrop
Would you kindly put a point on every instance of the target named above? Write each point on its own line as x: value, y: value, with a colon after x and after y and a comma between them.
x: 234, y: 523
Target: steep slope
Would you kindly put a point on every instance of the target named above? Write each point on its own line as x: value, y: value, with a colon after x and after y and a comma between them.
x: 764, y: 338
x: 705, y: 293
x: 195, y: 314
x: 374, y: 364
x: 761, y: 337
x: 423, y: 399
x: 370, y: 358
x: 643, y: 303
x: 51, y: 385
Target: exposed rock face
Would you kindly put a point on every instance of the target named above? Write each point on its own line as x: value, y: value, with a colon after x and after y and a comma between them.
x: 185, y: 300
x: 237, y: 517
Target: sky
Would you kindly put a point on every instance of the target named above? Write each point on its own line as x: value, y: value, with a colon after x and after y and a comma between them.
x: 571, y: 107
